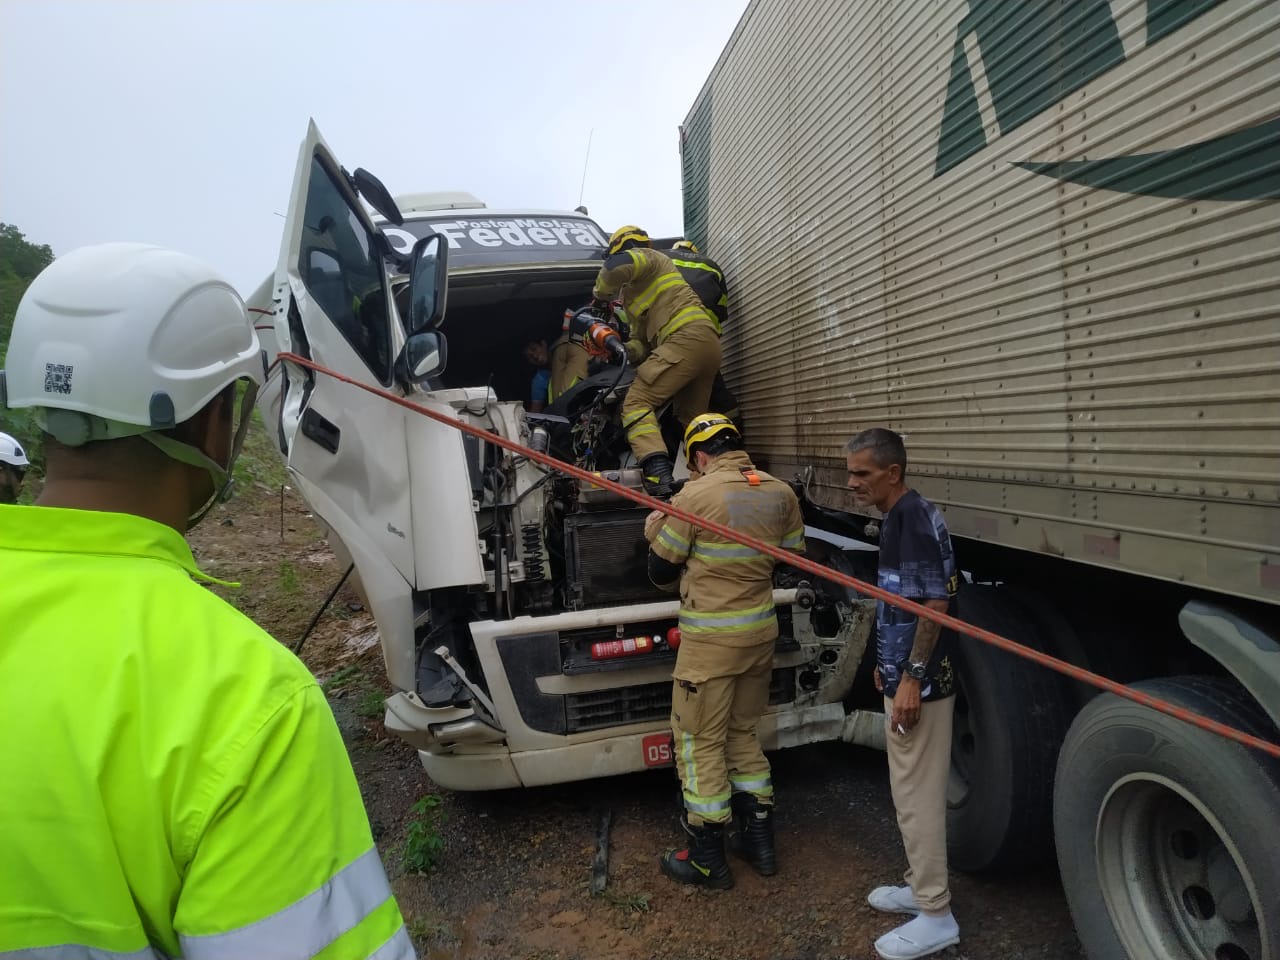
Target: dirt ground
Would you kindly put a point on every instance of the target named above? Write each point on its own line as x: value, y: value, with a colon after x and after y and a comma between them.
x: 511, y: 881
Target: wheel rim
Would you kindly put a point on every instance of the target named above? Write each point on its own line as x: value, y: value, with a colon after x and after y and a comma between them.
x: 1173, y: 881
x: 963, y: 750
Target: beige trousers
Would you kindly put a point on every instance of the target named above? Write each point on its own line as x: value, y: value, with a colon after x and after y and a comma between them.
x: 919, y: 765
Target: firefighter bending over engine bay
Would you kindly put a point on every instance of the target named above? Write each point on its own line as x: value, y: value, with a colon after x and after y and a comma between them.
x: 728, y: 630
x: 674, y: 335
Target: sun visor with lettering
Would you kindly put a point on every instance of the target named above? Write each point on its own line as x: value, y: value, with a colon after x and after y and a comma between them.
x: 492, y: 241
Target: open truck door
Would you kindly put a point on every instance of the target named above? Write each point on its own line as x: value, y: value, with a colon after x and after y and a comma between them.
x: 349, y: 450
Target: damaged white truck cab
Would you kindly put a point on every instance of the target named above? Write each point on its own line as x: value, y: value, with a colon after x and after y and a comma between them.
x: 491, y: 578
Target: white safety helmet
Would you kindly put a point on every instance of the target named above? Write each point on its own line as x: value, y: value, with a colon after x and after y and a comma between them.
x: 11, y: 452
x: 125, y: 339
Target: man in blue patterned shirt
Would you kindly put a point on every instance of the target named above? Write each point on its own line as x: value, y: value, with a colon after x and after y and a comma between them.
x: 913, y: 671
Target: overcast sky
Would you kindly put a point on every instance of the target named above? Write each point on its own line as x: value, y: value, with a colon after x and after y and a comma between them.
x: 178, y: 122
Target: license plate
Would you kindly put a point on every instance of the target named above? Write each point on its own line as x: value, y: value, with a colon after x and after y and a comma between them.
x: 657, y: 750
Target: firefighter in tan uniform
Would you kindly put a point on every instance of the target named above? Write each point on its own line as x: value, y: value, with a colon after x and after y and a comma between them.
x: 707, y: 280
x: 675, y: 335
x: 727, y: 633
x: 562, y: 365
x: 569, y: 362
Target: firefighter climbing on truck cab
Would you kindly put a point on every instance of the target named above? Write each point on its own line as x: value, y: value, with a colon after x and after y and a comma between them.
x: 705, y: 277
x: 728, y: 628
x: 707, y: 280
x: 674, y: 335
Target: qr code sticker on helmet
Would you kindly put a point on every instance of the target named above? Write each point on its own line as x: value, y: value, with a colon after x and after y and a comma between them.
x: 57, y: 377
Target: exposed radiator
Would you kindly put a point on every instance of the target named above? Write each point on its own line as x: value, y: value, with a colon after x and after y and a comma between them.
x: 606, y: 559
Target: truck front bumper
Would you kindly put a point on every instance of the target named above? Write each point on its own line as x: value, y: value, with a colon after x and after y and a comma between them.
x: 473, y: 766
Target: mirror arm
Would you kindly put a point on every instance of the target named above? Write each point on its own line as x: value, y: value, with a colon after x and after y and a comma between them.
x: 400, y: 261
x: 400, y: 369
x: 350, y: 181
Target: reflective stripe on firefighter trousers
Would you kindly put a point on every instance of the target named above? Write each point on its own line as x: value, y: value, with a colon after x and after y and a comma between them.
x: 693, y: 801
x: 640, y: 423
x: 759, y: 786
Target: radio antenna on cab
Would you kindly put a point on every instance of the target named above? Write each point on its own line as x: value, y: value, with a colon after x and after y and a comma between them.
x: 585, y: 160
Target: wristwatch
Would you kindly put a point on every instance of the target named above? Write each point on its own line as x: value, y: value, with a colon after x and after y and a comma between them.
x: 915, y: 669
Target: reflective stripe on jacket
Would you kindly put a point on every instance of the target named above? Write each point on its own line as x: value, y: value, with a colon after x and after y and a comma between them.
x: 726, y: 592
x: 174, y: 783
x: 707, y: 280
x: 654, y: 294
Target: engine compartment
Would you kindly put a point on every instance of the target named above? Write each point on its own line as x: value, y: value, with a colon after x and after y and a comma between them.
x: 553, y: 548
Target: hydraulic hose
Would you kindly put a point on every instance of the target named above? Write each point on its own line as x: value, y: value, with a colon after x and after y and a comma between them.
x: 809, y: 566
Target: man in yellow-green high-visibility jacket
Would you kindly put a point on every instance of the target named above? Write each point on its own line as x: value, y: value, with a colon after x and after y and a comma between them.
x: 174, y: 782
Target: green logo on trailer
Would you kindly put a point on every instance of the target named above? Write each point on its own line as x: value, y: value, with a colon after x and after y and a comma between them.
x: 1036, y: 52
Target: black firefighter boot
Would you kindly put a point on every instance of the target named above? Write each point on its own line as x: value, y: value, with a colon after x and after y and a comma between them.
x: 752, y: 834
x: 703, y: 862
x: 658, y: 481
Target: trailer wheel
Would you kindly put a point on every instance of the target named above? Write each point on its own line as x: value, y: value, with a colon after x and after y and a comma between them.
x: 1010, y: 718
x: 1165, y: 832
x: 1060, y: 638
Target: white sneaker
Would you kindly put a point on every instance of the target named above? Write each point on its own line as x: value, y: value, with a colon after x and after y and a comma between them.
x: 893, y: 900
x: 919, y: 938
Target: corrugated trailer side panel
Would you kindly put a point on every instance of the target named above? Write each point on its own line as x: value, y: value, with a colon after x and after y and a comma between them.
x: 1041, y: 240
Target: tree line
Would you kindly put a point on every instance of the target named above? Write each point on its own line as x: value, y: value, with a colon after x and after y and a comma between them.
x: 20, y: 261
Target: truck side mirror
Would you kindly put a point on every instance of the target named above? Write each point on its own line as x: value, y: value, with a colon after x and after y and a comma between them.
x: 425, y: 355
x: 379, y: 197
x: 428, y: 284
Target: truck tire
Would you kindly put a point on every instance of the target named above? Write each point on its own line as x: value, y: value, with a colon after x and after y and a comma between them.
x: 1011, y: 716
x: 1060, y: 638
x: 1165, y: 832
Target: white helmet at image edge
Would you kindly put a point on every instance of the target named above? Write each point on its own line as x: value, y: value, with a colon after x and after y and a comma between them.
x: 11, y: 452
x: 136, y: 335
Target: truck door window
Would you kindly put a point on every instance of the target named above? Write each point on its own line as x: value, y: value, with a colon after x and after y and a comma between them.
x: 341, y: 271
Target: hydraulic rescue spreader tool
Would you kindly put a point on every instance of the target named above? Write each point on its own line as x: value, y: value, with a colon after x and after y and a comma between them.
x: 599, y: 336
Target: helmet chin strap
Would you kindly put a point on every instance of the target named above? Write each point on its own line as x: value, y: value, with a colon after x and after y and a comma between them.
x: 223, y: 481
x: 73, y: 428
